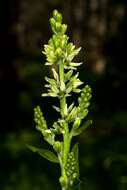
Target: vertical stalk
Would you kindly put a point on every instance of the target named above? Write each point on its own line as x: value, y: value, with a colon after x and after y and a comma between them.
x: 66, y: 150
x: 66, y: 135
x: 61, y: 71
x: 62, y: 87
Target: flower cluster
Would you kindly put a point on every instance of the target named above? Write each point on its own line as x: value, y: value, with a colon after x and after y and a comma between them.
x: 84, y: 102
x: 58, y: 48
x: 39, y: 119
x: 60, y: 52
x: 76, y: 114
x: 59, y: 55
x: 42, y: 126
x: 71, y: 168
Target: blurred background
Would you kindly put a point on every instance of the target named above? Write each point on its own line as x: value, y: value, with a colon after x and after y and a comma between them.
x: 100, y: 28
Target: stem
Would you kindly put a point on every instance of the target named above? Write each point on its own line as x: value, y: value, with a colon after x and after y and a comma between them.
x: 62, y: 87
x: 61, y: 71
x: 66, y: 135
x: 66, y: 150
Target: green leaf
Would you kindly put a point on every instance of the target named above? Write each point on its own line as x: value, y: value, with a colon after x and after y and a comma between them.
x: 47, y: 154
x: 56, y: 108
x: 75, y: 150
x: 82, y: 128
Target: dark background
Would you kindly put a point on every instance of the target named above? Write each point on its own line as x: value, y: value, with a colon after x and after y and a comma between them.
x: 100, y: 28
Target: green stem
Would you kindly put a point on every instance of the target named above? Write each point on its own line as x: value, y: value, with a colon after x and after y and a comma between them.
x: 66, y: 150
x: 61, y: 71
x: 66, y: 135
x: 62, y: 87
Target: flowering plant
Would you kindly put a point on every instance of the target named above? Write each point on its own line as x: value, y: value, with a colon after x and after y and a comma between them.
x: 59, y: 56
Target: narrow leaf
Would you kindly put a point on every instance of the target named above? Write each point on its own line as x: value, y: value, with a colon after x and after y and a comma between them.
x: 56, y: 108
x: 47, y: 154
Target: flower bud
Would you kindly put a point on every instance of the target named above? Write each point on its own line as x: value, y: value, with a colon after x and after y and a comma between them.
x: 63, y: 181
x: 87, y: 88
x: 72, y: 114
x: 76, y: 123
x: 57, y: 146
x: 52, y: 22
x: 65, y: 110
x: 64, y: 28
x: 56, y: 42
x: 62, y: 44
x: 86, y: 105
x: 71, y: 182
x: 62, y: 86
x: 58, y: 27
x: 74, y: 175
x: 58, y: 52
x: 57, y: 16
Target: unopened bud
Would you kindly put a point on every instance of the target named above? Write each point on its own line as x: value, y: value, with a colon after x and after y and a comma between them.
x: 57, y: 16
x: 62, y: 86
x: 74, y: 175
x: 58, y: 52
x: 76, y: 123
x: 64, y: 28
x: 57, y: 146
x: 58, y: 26
x: 63, y: 181
x: 52, y: 22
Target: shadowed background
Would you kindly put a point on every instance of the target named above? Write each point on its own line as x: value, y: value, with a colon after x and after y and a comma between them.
x: 100, y: 28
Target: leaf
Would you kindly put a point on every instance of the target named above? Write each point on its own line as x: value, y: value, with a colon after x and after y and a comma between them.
x: 75, y: 150
x: 82, y: 128
x: 56, y: 108
x: 47, y: 154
